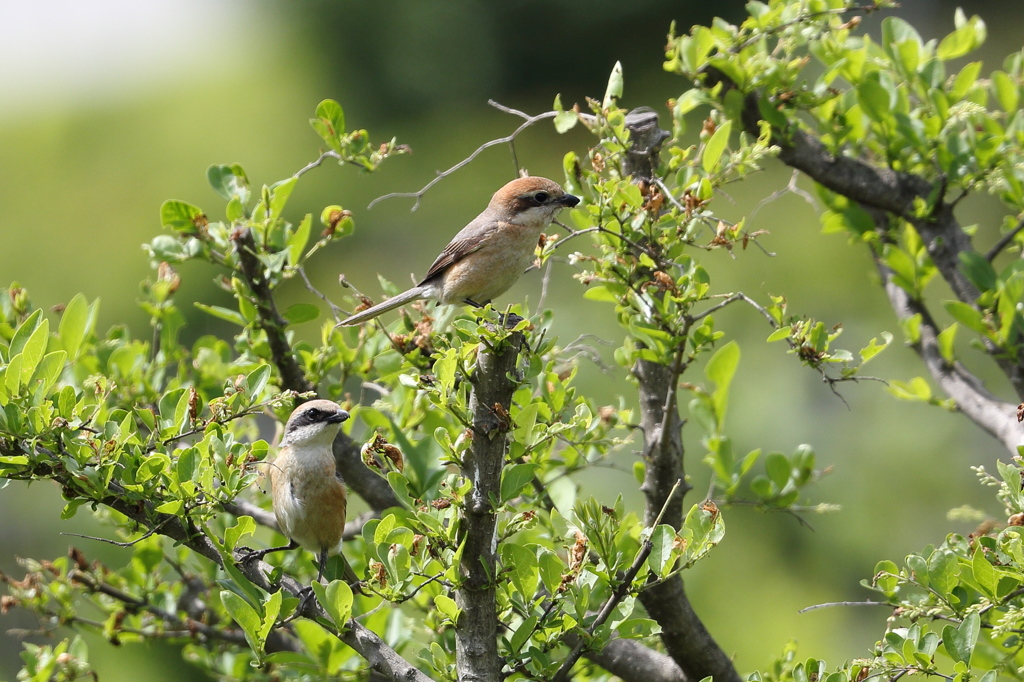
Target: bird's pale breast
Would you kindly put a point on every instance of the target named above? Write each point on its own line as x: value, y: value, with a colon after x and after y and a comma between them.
x: 309, y: 503
x: 492, y: 269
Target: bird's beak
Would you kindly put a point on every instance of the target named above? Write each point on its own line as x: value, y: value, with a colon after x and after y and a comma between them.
x: 569, y: 200
x: 338, y: 417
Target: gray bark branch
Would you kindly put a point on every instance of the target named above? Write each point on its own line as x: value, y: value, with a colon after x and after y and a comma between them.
x: 476, y: 632
x: 884, y: 192
x: 634, y: 662
x: 686, y: 639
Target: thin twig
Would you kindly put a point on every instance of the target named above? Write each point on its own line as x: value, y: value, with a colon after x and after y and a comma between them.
x: 330, y: 154
x: 120, y: 544
x: 319, y: 294
x: 1004, y: 241
x: 530, y: 120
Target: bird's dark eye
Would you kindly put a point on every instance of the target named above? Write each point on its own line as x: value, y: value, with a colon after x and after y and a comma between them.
x: 314, y: 415
x: 541, y: 197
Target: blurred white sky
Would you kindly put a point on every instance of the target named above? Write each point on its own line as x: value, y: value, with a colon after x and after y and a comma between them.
x: 58, y: 53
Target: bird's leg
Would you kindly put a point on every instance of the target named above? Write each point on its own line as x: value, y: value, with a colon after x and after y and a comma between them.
x: 323, y: 564
x: 257, y: 554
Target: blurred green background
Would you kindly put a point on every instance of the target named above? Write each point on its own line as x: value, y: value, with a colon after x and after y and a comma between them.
x: 110, y: 107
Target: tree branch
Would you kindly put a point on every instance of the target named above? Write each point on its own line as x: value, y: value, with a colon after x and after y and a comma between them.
x: 688, y: 642
x: 476, y: 632
x: 270, y: 320
x: 634, y: 662
x: 995, y: 416
x: 879, y: 188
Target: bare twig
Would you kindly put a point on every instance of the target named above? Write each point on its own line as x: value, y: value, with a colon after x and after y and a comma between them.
x: 313, y: 290
x: 509, y: 139
x: 329, y: 154
x: 1004, y: 241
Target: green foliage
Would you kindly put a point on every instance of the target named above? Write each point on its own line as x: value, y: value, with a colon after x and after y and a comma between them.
x: 161, y: 439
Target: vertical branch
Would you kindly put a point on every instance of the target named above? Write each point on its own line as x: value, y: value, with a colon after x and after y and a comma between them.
x: 686, y: 639
x: 476, y: 632
x: 270, y: 320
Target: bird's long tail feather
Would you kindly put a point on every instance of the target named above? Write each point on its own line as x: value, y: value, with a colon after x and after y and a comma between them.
x: 414, y: 294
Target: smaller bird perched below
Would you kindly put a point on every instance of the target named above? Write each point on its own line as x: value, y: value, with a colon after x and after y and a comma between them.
x: 309, y: 499
x: 490, y: 253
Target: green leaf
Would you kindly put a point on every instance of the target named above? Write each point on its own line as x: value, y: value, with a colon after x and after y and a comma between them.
x: 244, y: 525
x: 525, y: 420
x: 185, y: 468
x: 181, y: 216
x: 886, y: 579
x: 945, y: 341
x: 984, y: 573
x: 24, y: 332
x: 978, y: 270
x: 967, y: 315
x: 522, y: 634
x: 298, y: 239
x: 663, y: 539
x: 35, y: 348
x: 965, y: 80
x: 515, y: 478
x: 943, y: 569
x: 715, y: 147
x: 444, y: 370
x: 959, y: 641
x: 245, y: 615
x: 566, y: 121
x: 1006, y: 91
x: 720, y: 369
x: 613, y: 92
x: 778, y: 468
x: 551, y: 567
x: 280, y: 192
x: 447, y: 607
x: 875, y: 97
x: 301, y: 312
x: 271, y: 609
x: 521, y: 563
x: 336, y: 598
x: 73, y: 323
x: 969, y: 36
x: 225, y: 314
x: 722, y: 366
x: 67, y: 401
x: 331, y: 113
x: 257, y: 380
x: 230, y: 182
